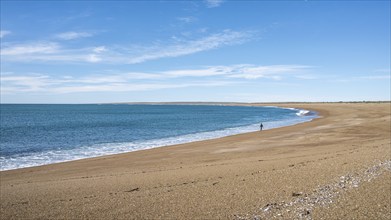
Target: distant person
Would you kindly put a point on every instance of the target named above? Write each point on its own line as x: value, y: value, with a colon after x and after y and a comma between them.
x: 261, y: 127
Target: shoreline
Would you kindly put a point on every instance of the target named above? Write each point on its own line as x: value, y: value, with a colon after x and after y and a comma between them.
x: 188, y: 138
x: 231, y: 177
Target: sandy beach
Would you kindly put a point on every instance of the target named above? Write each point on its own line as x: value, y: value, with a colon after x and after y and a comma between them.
x: 335, y: 167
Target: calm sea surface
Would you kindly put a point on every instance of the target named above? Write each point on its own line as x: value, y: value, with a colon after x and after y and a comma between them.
x: 33, y: 135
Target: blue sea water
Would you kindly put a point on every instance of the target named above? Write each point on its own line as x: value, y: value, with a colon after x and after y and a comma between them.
x: 33, y: 135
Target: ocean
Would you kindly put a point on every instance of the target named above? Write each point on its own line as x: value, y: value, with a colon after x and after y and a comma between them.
x: 33, y: 135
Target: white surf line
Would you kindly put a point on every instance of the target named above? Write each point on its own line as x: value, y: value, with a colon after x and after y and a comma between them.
x: 302, y: 206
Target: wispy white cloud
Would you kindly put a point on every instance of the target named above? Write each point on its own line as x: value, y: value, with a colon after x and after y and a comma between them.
x: 383, y: 70
x: 116, y: 83
x: 54, y: 51
x: 99, y: 49
x: 213, y: 41
x: 189, y: 19
x: 141, y: 81
x: 131, y: 87
x: 358, y: 78
x: 71, y: 35
x: 272, y: 72
x: 203, y: 72
x: 72, y: 17
x: 375, y: 77
x: 3, y: 33
x: 34, y: 48
x: 93, y: 58
x: 26, y: 83
x: 213, y: 3
x: 50, y: 51
x: 243, y: 71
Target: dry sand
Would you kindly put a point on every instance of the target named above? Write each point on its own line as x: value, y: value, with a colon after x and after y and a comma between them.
x: 335, y: 167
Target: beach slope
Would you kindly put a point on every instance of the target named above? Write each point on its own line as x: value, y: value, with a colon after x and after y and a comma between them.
x: 335, y: 167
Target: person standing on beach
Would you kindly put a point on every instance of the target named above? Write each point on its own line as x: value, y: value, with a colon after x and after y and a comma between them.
x: 261, y: 127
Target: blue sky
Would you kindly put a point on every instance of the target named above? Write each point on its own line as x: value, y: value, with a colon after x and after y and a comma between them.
x: 242, y: 51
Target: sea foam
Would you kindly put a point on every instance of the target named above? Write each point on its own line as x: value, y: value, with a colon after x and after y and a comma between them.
x: 303, y: 112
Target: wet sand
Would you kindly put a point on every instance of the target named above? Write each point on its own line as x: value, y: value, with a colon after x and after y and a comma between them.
x: 334, y: 167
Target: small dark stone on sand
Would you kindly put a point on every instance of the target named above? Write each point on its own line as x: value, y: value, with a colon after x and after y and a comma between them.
x: 296, y: 194
x: 133, y: 190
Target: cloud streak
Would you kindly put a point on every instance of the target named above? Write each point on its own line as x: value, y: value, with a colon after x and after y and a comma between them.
x: 242, y: 71
x: 189, y: 19
x: 375, y: 77
x: 50, y: 51
x: 271, y: 72
x: 47, y: 85
x: 142, y: 81
x: 31, y: 49
x: 210, y: 42
x: 213, y: 3
x: 71, y: 35
x: 54, y: 51
x: 3, y: 33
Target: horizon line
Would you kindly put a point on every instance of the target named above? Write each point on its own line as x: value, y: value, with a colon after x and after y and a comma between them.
x: 197, y: 102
